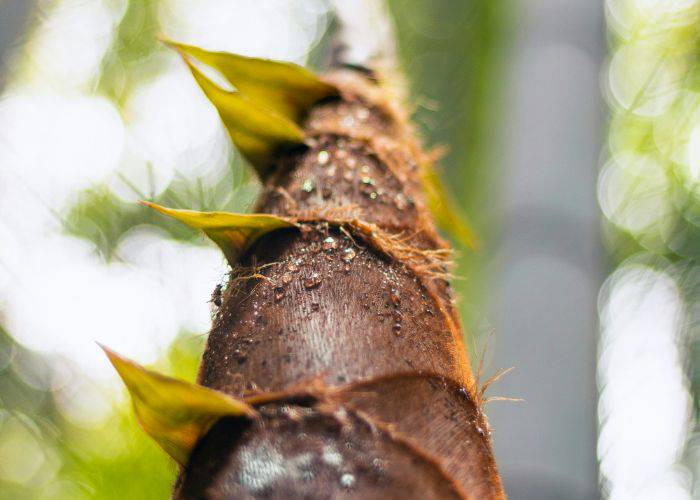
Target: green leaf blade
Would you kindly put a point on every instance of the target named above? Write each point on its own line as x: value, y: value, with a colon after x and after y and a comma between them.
x: 285, y: 88
x: 256, y: 131
x: 175, y: 413
x: 269, y: 102
x: 233, y: 233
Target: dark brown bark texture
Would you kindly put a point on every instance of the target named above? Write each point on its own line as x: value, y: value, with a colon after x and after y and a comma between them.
x: 342, y: 333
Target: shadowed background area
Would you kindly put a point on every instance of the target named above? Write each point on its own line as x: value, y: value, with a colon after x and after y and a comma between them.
x: 574, y: 150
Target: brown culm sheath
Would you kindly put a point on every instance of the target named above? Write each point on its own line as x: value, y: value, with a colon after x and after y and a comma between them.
x: 342, y: 333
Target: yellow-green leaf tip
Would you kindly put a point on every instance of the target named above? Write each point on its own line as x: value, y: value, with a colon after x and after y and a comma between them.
x: 175, y: 413
x: 283, y: 87
x: 233, y: 233
x: 269, y: 103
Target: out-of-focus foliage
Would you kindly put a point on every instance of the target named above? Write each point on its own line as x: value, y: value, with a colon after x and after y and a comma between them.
x: 74, y: 440
x: 648, y: 192
x: 175, y: 413
x: 648, y: 189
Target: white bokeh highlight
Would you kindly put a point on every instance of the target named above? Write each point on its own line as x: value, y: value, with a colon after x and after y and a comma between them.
x: 58, y: 296
x: 644, y: 405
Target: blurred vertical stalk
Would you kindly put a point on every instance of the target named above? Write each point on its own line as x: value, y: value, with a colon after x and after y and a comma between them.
x: 454, y: 52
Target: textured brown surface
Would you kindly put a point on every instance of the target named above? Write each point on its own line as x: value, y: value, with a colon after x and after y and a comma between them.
x: 336, y: 311
x: 297, y: 452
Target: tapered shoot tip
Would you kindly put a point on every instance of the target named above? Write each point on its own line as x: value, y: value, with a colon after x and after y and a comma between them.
x: 111, y: 355
x: 155, y: 206
x: 162, y: 38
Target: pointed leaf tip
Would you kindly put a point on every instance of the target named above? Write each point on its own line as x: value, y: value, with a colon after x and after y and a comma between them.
x: 258, y: 132
x: 175, y: 413
x: 283, y: 87
x: 233, y: 233
x: 270, y: 100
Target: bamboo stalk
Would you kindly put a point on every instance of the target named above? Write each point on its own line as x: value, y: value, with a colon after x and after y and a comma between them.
x: 341, y: 331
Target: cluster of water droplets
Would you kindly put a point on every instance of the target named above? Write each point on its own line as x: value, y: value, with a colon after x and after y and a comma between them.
x: 331, y: 246
x: 287, y: 276
x: 340, y: 157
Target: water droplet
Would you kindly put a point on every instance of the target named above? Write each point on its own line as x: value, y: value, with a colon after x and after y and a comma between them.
x: 313, y: 280
x: 395, y: 297
x: 348, y: 176
x: 362, y: 114
x: 308, y: 186
x: 348, y: 121
x: 292, y: 267
x: 240, y: 356
x: 279, y: 293
x: 349, y: 254
x: 323, y: 157
x: 480, y: 430
x: 330, y: 244
x: 330, y: 172
x: 373, y: 195
x: 287, y: 278
x: 365, y: 169
x: 396, y: 329
x: 367, y: 180
x: 347, y: 480
x: 352, y: 162
x: 400, y: 201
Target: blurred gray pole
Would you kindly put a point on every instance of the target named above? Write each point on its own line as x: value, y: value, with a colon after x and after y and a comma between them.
x: 13, y: 20
x: 547, y: 273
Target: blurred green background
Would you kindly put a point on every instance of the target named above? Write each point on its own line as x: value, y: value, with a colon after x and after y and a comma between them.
x: 573, y: 129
